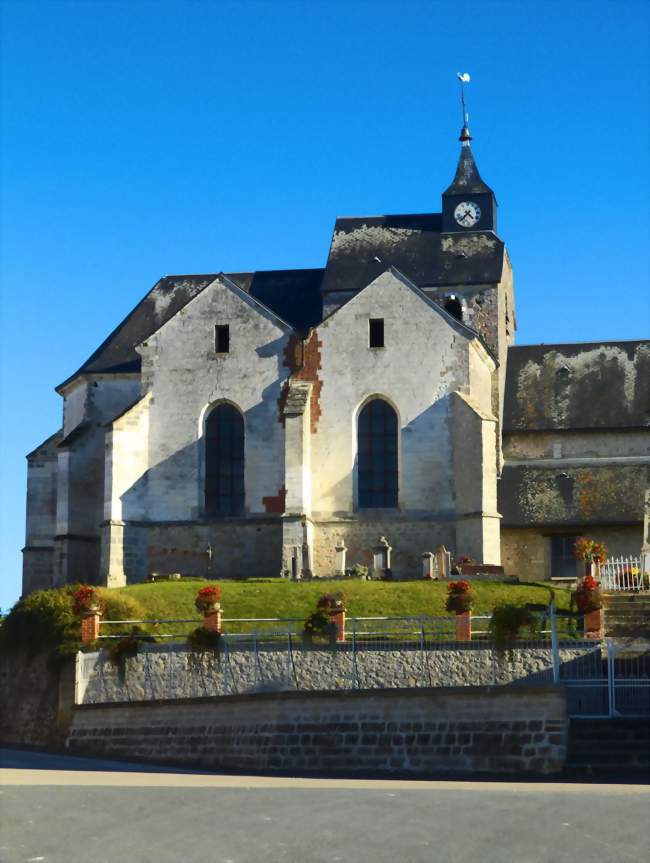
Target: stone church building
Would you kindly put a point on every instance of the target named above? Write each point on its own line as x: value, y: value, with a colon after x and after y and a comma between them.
x: 247, y: 424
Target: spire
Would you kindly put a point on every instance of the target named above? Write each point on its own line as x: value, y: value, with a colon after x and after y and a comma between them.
x: 467, y: 178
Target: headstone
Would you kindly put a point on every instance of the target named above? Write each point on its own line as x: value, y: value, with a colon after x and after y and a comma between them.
x: 443, y: 562
x: 381, y: 558
x: 428, y: 568
x: 340, y: 557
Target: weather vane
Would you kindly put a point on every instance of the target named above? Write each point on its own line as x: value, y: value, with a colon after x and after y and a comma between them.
x: 464, y: 78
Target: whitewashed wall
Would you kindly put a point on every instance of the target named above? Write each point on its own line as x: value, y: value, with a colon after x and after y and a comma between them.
x: 426, y: 358
x: 186, y: 377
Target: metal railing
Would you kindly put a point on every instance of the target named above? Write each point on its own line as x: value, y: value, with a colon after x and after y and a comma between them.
x: 621, y: 573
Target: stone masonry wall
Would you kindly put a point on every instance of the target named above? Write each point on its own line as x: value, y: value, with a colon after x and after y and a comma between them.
x: 160, y: 672
x: 417, y: 731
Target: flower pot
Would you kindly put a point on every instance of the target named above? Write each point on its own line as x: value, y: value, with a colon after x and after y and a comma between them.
x: 593, y: 624
x: 464, y: 626
x: 337, y: 617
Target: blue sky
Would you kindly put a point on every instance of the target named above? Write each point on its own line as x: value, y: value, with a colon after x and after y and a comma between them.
x: 141, y: 139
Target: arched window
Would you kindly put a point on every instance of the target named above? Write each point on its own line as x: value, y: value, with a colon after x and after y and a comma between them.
x: 377, y: 441
x: 454, y: 307
x: 224, y: 461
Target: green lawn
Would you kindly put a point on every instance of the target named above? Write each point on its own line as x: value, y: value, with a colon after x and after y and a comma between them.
x: 277, y: 598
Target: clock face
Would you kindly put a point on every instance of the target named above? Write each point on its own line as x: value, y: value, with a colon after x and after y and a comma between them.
x: 467, y: 214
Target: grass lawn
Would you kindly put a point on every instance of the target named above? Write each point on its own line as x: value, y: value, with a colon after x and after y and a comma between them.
x: 279, y: 598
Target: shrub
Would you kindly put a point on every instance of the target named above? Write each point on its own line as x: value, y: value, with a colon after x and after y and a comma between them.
x: 319, y: 625
x: 84, y: 598
x: 460, y: 597
x: 120, y: 607
x: 44, y: 620
x: 359, y: 571
x: 121, y: 650
x: 506, y: 624
x: 202, y: 640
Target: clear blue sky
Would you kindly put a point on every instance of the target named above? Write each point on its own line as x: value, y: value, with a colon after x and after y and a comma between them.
x: 140, y: 139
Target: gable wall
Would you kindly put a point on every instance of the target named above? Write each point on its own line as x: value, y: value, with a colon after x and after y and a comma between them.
x: 424, y: 360
x: 186, y: 376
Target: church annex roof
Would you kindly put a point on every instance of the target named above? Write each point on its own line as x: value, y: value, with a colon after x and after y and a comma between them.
x: 590, y: 385
x: 293, y: 295
x: 414, y: 245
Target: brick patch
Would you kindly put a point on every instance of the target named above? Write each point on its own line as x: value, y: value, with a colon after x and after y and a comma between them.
x: 276, y: 503
x: 303, y: 358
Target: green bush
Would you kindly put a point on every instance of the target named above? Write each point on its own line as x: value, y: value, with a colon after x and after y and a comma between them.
x: 120, y: 606
x: 202, y: 640
x: 507, y: 623
x: 44, y: 620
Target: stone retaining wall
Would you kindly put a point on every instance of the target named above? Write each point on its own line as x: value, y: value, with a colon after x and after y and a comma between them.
x: 416, y: 731
x: 164, y: 672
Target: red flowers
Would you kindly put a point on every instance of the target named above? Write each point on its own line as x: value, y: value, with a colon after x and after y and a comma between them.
x: 85, y: 598
x: 460, y: 597
x: 590, y: 550
x: 331, y: 602
x: 207, y: 598
x: 587, y: 595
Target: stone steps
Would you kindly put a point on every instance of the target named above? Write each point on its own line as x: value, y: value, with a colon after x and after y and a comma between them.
x: 627, y: 615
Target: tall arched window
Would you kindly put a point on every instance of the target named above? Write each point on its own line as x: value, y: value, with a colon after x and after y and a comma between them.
x: 377, y: 441
x: 224, y: 461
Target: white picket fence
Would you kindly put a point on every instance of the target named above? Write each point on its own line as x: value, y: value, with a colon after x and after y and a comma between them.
x: 621, y: 573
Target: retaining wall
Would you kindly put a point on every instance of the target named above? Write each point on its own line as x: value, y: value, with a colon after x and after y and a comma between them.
x: 416, y: 731
x: 165, y: 671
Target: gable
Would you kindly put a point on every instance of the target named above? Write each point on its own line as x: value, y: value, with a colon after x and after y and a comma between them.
x: 394, y: 294
x: 220, y: 302
x: 294, y: 295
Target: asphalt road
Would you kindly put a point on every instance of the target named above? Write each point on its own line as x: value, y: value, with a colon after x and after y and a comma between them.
x: 55, y: 809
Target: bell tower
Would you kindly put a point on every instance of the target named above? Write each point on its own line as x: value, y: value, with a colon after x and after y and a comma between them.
x: 468, y: 204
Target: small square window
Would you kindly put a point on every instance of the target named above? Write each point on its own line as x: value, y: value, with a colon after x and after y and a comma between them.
x: 222, y: 339
x: 376, y: 333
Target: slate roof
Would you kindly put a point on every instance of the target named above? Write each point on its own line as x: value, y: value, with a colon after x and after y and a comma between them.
x: 294, y: 295
x: 590, y: 385
x: 414, y: 245
x: 467, y: 179
x: 571, y: 496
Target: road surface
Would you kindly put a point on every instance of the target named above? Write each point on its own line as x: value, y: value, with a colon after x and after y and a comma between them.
x: 56, y: 809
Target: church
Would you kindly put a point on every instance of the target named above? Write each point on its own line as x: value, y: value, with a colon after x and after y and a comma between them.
x: 272, y: 423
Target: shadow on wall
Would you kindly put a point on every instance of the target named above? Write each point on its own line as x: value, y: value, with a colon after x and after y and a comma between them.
x: 425, y: 473
x: 166, y: 529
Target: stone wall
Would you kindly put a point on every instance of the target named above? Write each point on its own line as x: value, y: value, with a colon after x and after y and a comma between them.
x: 162, y: 672
x: 415, y: 731
x: 244, y: 547
x: 36, y: 698
x: 526, y: 552
x: 409, y: 538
